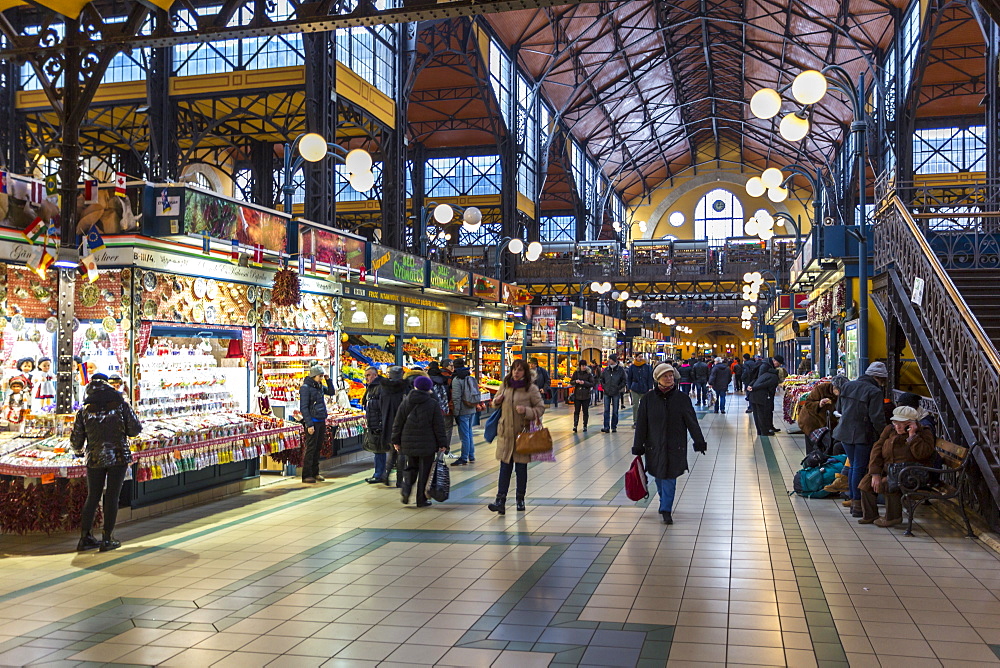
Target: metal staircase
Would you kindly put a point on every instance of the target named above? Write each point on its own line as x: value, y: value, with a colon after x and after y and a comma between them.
x: 954, y: 330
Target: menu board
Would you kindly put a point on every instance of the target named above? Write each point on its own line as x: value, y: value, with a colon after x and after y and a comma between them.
x: 448, y: 279
x: 391, y: 264
x: 543, y: 325
x: 341, y: 250
x: 486, y: 288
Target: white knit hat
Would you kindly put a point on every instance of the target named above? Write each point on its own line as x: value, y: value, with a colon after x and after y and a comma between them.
x: 662, y: 369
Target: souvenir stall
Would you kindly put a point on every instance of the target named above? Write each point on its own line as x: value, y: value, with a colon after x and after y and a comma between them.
x: 492, y: 333
x: 795, y: 389
x: 463, y: 341
x: 825, y: 313
x: 591, y: 344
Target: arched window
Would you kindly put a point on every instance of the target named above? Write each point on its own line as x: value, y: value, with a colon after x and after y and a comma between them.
x: 719, y: 214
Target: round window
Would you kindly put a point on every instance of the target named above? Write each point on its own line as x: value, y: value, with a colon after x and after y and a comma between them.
x: 676, y: 219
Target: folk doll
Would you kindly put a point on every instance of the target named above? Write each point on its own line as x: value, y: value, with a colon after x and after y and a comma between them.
x: 26, y: 369
x: 16, y: 403
x: 44, y: 382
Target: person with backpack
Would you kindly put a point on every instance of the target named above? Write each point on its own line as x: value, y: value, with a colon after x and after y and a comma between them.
x: 418, y: 433
x: 465, y: 396
x: 375, y: 442
x: 699, y: 377
x: 391, y: 391
x: 640, y: 381
x: 719, y: 379
x: 862, y: 420
x: 761, y: 393
x: 666, y: 418
x: 100, y: 433
x: 614, y: 383
x: 581, y: 383
x: 442, y: 392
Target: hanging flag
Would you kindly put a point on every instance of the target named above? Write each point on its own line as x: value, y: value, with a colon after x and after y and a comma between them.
x: 120, y: 184
x: 41, y: 259
x: 258, y: 254
x: 90, y: 187
x: 3, y: 182
x: 206, y: 244
x: 84, y: 373
x: 312, y: 263
x: 165, y: 203
x: 35, y: 230
x: 36, y: 192
x: 361, y: 273
x: 235, y: 257
x: 51, y: 185
x: 90, y: 267
x: 94, y: 240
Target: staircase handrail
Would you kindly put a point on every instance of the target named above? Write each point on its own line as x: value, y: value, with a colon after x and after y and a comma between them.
x: 969, y: 355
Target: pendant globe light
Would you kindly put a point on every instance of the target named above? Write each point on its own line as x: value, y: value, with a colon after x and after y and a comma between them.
x: 809, y: 87
x: 765, y: 103
x: 755, y: 187
x: 793, y: 127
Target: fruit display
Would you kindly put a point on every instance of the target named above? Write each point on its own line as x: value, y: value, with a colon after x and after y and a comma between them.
x: 417, y: 352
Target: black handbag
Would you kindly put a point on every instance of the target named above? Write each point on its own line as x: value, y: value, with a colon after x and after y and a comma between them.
x: 912, y: 479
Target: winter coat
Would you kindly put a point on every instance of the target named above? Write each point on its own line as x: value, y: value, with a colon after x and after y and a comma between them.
x: 411, y: 375
x: 581, y: 393
x: 442, y: 389
x: 700, y: 371
x: 686, y: 373
x: 372, y: 403
x: 542, y: 380
x: 419, y: 426
x: 104, y: 424
x: 737, y: 369
x: 640, y: 377
x: 662, y: 423
x: 464, y: 388
x: 892, y: 447
x: 764, y: 386
x: 782, y: 374
x: 513, y: 423
x: 862, y: 418
x: 614, y: 380
x: 311, y: 402
x: 812, y: 416
x: 719, y: 378
x: 750, y: 370
x: 391, y: 395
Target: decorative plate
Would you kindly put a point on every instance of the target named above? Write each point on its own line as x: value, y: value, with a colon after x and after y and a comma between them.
x: 308, y: 321
x: 149, y: 281
x: 126, y: 299
x: 149, y: 309
x: 76, y: 324
x: 52, y: 325
x: 90, y: 334
x: 267, y: 317
x: 251, y: 318
x: 3, y: 322
x: 108, y: 294
x: 17, y: 322
x: 211, y: 314
x: 35, y: 336
x: 200, y: 287
x: 197, y: 313
x: 213, y: 288
x: 43, y: 294
x: 265, y: 295
x: 126, y: 275
x: 252, y: 293
x: 109, y: 324
x: 126, y: 324
x: 299, y: 321
x: 90, y: 295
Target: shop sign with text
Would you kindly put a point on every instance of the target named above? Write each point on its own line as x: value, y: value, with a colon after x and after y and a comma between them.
x: 395, y: 265
x: 448, y: 279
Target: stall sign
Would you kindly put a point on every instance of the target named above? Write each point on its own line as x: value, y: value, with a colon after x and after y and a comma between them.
x: 341, y: 250
x: 385, y: 296
x: 474, y: 327
x: 446, y: 278
x: 395, y: 265
x: 512, y: 295
x: 487, y: 289
x: 543, y: 325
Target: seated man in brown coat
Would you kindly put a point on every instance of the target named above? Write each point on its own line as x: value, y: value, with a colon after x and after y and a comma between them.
x: 904, y: 440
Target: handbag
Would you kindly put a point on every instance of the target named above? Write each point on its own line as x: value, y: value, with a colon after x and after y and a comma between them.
x: 911, y: 479
x: 636, y: 482
x: 492, y: 423
x: 535, y: 439
x: 439, y: 486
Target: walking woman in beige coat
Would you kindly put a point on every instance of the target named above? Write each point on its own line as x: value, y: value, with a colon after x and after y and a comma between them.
x: 520, y: 403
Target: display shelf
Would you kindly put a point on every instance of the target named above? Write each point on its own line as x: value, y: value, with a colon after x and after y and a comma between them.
x: 297, y: 358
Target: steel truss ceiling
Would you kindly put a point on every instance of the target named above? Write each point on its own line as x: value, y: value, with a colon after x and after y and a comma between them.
x: 652, y: 88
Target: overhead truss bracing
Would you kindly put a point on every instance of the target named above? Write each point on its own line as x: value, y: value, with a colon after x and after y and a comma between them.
x: 649, y: 87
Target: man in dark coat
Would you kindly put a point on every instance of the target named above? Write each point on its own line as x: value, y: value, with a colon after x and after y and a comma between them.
x: 737, y: 369
x: 418, y: 433
x: 699, y: 375
x: 374, y: 441
x: 614, y: 383
x: 313, y: 409
x: 393, y: 389
x: 581, y: 383
x: 761, y: 392
x: 862, y: 420
x: 665, y: 418
x: 542, y: 380
x: 750, y: 369
x: 719, y: 380
x: 640, y: 381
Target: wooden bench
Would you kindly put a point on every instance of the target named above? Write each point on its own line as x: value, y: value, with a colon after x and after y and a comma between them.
x: 947, y: 482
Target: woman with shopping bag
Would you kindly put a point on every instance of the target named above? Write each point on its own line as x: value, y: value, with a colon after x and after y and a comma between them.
x: 520, y: 404
x: 418, y: 432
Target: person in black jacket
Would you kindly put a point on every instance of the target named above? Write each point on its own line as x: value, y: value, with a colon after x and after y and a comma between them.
x: 614, y: 382
x: 393, y: 388
x: 441, y: 377
x: 762, y: 397
x: 685, y: 375
x: 737, y: 370
x: 665, y: 418
x: 699, y: 376
x: 312, y: 405
x: 542, y: 380
x: 719, y: 379
x: 101, y: 429
x: 750, y: 367
x: 418, y: 433
x: 375, y: 442
x: 582, y: 381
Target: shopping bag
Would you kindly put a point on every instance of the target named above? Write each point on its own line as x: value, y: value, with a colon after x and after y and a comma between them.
x: 439, y: 485
x: 535, y: 439
x: 492, y: 422
x: 635, y: 481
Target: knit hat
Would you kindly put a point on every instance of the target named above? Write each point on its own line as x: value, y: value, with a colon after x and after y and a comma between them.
x: 839, y: 381
x: 877, y: 370
x: 395, y: 373
x: 423, y: 383
x: 662, y: 369
x: 316, y: 370
x: 779, y: 359
x: 613, y: 358
x: 99, y: 376
x: 905, y: 414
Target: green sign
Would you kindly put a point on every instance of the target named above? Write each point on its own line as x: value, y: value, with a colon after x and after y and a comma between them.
x: 448, y: 279
x: 391, y: 264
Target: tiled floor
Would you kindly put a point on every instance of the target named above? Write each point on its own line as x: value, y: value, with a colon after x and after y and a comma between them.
x: 341, y: 574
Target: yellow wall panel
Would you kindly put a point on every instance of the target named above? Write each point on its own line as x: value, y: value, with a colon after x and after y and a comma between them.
x: 352, y: 87
x: 526, y: 205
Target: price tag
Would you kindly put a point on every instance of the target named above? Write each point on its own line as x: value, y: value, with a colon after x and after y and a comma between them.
x: 48, y: 478
x: 62, y: 472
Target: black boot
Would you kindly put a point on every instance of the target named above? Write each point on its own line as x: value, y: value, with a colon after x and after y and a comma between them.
x: 499, y: 507
x: 574, y: 426
x: 520, y: 503
x: 109, y: 543
x: 87, y: 542
x: 405, y: 488
x: 667, y: 519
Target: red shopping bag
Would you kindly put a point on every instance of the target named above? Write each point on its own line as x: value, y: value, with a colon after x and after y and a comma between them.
x: 635, y: 481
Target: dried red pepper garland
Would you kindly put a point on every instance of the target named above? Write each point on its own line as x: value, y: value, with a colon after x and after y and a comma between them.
x: 36, y: 508
x: 286, y: 288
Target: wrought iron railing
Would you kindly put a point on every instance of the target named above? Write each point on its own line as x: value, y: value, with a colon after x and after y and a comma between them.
x: 964, y: 356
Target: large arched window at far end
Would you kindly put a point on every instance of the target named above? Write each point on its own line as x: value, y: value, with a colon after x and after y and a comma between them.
x: 718, y: 215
